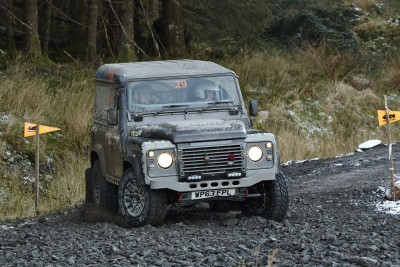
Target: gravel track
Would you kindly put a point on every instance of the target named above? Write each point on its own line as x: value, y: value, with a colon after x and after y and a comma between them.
x: 332, y: 221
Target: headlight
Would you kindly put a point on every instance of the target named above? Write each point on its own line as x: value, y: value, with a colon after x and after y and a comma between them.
x: 255, y: 153
x: 164, y: 160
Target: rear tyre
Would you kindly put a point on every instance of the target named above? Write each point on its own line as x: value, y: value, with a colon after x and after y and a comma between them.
x: 138, y: 204
x: 274, y: 201
x: 99, y: 186
x: 89, y: 186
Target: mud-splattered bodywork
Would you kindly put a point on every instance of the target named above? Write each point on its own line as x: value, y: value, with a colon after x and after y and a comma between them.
x: 206, y: 140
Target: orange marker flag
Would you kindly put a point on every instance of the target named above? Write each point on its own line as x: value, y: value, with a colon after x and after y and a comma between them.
x: 31, y: 128
x: 393, y: 116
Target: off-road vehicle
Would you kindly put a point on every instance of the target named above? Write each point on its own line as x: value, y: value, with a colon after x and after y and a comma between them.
x: 177, y: 133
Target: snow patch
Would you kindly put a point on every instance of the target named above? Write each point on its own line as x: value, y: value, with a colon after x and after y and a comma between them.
x: 369, y: 144
x: 390, y: 207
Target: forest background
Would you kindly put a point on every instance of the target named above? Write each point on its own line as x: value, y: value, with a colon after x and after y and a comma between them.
x: 319, y: 69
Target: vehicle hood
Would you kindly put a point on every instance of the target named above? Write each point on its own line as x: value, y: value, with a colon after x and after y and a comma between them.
x: 195, y: 130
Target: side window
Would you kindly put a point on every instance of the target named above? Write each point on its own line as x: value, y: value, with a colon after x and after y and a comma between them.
x: 104, y: 98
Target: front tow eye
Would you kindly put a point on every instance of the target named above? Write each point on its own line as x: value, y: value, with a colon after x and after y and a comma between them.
x: 137, y: 117
x: 233, y: 111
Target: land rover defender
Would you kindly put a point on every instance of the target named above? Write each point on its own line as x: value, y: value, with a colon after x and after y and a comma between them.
x: 177, y: 132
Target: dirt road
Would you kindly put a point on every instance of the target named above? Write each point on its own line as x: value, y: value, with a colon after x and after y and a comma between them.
x: 332, y: 222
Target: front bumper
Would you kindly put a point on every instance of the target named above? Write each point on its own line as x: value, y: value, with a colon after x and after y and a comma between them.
x: 252, y: 177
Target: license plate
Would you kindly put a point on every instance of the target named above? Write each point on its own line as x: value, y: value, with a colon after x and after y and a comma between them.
x: 213, y: 193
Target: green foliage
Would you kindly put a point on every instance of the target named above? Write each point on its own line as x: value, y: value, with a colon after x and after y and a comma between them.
x: 48, y: 94
x: 17, y: 198
x: 317, y: 107
x: 52, y: 95
x: 225, y: 28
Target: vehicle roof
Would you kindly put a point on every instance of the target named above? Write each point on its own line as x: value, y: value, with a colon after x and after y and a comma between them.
x: 164, y: 68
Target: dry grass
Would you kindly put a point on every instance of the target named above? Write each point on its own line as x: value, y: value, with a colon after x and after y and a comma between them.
x: 313, y: 110
x: 53, y: 97
x: 2, y: 147
x: 68, y: 106
x: 364, y: 4
x: 18, y: 200
x: 393, y: 71
x: 69, y: 186
x: 65, y: 190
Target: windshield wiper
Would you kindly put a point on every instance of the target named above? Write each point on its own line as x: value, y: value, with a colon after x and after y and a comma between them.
x: 174, y: 106
x: 226, y: 101
x: 212, y: 105
x: 138, y: 116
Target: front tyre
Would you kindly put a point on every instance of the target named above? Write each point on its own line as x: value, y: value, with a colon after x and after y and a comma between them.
x: 274, y: 201
x: 138, y: 204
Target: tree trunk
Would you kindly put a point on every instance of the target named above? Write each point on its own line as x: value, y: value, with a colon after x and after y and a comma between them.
x: 151, y: 16
x: 77, y: 31
x: 9, y: 24
x: 32, y: 42
x: 152, y: 11
x: 172, y: 18
x: 126, y: 49
x: 44, y: 25
x: 91, y: 48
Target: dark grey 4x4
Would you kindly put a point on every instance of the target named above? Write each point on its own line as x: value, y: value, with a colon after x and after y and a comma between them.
x: 177, y: 133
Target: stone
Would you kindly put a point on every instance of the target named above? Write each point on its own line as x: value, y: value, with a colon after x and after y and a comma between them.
x: 364, y: 261
x: 71, y: 260
x: 360, y: 83
x: 305, y: 259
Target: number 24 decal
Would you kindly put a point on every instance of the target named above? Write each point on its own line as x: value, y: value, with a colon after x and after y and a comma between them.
x: 181, y: 84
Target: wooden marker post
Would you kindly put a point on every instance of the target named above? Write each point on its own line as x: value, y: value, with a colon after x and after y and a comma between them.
x: 391, y: 167
x: 32, y: 129
x: 37, y: 137
x: 388, y: 116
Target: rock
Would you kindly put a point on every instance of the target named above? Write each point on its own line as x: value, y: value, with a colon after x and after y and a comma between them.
x: 397, y: 189
x: 305, y: 259
x: 263, y: 116
x: 71, y: 260
x: 305, y: 237
x: 360, y: 83
x: 364, y: 261
x: 229, y: 222
x: 373, y: 248
x: 337, y: 243
x: 112, y: 249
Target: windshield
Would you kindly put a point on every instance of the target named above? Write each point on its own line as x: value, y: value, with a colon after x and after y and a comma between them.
x: 198, y: 92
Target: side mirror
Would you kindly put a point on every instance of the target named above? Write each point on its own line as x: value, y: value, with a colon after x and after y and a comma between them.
x: 253, y: 107
x: 112, y: 116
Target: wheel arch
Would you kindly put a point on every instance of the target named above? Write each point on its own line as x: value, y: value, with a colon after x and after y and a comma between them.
x: 97, y: 153
x: 134, y: 162
x: 278, y: 163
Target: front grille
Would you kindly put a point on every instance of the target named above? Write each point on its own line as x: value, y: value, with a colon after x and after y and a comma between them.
x: 211, y: 161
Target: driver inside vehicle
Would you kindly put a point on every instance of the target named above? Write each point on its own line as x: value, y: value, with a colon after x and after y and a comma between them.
x: 143, y: 95
x: 209, y: 95
x: 206, y: 92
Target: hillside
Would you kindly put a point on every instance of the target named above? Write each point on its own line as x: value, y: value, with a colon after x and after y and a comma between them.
x: 319, y: 70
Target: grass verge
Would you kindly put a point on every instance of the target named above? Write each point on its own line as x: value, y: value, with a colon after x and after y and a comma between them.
x: 316, y: 105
